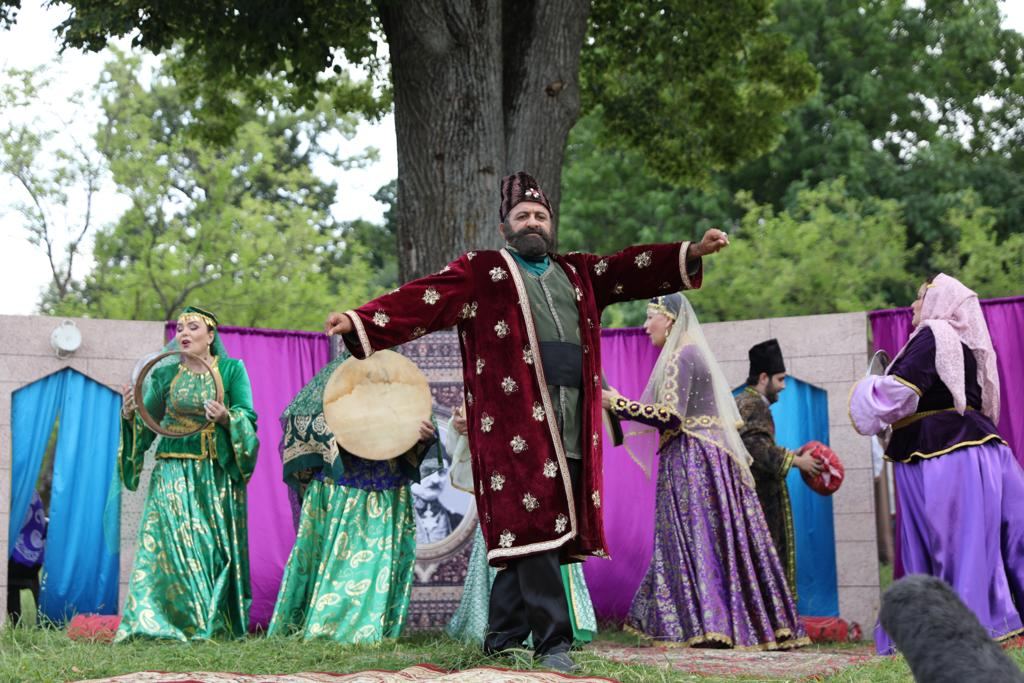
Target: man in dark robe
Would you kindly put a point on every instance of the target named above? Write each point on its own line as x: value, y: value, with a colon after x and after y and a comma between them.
x: 529, y: 332
x: 772, y: 462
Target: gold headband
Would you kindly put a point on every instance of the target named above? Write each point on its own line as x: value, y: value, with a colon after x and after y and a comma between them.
x: 192, y: 315
x: 661, y: 308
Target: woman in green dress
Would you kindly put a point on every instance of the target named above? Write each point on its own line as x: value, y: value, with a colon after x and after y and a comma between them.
x: 349, y: 576
x: 190, y: 580
x: 469, y: 622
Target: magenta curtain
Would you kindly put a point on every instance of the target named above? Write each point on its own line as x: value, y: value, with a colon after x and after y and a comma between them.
x: 279, y: 364
x: 627, y: 358
x: 1005, y: 317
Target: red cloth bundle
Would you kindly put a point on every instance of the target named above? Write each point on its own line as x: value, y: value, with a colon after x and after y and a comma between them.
x: 94, y: 627
x: 831, y: 629
x: 831, y: 476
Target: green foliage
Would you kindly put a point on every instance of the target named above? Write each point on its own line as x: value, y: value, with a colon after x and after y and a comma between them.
x: 8, y: 13
x: 244, y: 228
x: 611, y: 202
x: 917, y: 102
x: 830, y: 252
x: 238, y: 45
x: 989, y: 265
x: 916, y: 105
x: 373, y: 243
x: 696, y: 87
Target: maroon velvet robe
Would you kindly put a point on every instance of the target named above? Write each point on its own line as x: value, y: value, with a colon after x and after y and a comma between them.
x: 524, y: 496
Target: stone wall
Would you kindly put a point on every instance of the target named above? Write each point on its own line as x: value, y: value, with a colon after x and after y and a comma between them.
x: 830, y: 352
x: 109, y: 351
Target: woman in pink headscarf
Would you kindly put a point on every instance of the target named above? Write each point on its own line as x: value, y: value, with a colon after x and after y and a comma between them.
x: 961, y: 490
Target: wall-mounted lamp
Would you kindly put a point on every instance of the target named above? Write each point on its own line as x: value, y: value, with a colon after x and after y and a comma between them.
x: 65, y: 339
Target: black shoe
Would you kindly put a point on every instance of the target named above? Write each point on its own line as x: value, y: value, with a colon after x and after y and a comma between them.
x: 559, y: 661
x: 516, y: 656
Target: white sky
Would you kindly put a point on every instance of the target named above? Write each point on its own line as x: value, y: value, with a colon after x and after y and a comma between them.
x: 24, y: 271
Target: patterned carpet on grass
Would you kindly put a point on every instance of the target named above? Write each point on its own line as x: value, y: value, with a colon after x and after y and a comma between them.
x: 804, y: 664
x: 420, y: 672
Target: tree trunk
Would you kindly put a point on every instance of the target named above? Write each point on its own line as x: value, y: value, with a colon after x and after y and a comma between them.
x: 542, y: 88
x: 482, y: 88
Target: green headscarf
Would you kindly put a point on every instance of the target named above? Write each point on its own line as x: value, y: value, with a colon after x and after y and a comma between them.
x: 307, y: 443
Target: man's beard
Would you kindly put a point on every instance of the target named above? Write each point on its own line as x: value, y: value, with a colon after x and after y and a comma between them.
x: 772, y: 395
x: 527, y: 247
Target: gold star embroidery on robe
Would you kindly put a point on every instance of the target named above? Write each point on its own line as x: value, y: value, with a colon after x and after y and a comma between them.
x: 431, y: 296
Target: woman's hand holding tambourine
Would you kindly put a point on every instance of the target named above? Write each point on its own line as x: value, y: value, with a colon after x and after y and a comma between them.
x: 128, y: 401
x: 216, y: 412
x: 427, y: 431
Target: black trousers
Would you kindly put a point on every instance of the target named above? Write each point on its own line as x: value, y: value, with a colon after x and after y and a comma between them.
x: 528, y: 597
x: 18, y: 577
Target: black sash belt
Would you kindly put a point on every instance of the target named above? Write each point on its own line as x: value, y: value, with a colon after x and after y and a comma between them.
x: 562, y: 363
x: 563, y: 367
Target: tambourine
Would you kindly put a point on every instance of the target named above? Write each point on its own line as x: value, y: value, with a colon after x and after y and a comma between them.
x: 879, y: 362
x: 375, y: 406
x: 140, y: 405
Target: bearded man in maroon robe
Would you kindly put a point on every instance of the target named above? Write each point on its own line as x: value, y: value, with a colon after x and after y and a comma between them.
x: 529, y: 331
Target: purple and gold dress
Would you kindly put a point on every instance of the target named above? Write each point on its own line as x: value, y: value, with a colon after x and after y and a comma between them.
x: 715, y: 577
x: 960, y: 489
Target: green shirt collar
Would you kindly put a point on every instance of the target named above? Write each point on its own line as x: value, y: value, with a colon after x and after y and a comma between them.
x: 537, y: 268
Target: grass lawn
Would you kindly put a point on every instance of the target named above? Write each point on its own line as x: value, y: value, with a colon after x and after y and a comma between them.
x: 46, y: 654
x: 34, y: 654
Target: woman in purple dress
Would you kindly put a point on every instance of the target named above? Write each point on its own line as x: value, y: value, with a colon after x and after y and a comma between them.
x: 961, y: 491
x: 26, y: 558
x: 715, y: 579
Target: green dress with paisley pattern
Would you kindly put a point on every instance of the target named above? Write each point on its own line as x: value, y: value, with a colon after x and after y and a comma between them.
x: 190, y: 578
x: 350, y: 573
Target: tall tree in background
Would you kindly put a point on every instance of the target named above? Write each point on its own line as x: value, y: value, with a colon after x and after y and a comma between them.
x: 53, y: 180
x: 813, y: 257
x: 360, y: 240
x: 244, y: 228
x: 484, y: 88
x: 992, y: 265
x: 918, y: 104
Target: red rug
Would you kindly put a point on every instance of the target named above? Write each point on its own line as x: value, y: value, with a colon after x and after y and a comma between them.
x: 420, y: 672
x: 796, y: 665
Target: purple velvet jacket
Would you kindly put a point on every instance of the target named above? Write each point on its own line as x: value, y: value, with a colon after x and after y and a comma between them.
x: 935, y: 429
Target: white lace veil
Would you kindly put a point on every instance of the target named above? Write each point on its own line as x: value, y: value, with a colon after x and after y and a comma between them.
x: 688, y: 381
